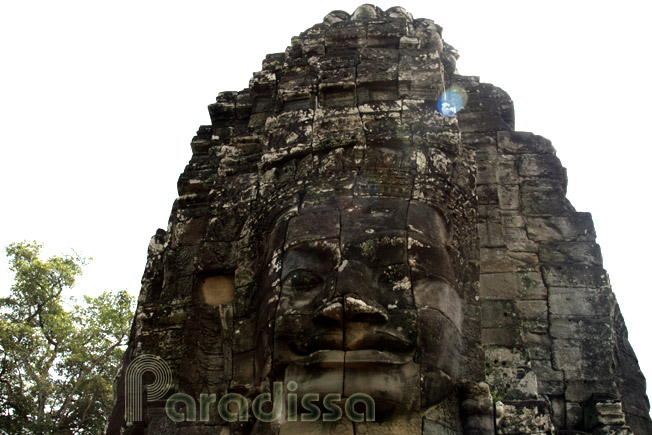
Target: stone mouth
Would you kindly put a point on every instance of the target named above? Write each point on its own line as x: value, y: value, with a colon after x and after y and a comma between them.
x: 333, y: 358
x: 355, y: 339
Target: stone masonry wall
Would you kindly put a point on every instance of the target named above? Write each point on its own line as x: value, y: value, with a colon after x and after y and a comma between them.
x: 552, y: 329
x: 347, y: 94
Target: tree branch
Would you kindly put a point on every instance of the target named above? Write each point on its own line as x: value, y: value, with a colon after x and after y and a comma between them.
x: 85, y: 373
x: 90, y: 402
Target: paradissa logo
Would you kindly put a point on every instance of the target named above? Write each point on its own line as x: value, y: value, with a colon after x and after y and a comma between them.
x: 161, y: 384
x: 313, y: 412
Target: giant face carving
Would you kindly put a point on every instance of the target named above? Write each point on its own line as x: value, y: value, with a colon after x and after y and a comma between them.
x: 367, y: 303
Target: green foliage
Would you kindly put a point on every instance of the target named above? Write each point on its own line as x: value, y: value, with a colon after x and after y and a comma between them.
x: 497, y: 397
x: 58, y: 356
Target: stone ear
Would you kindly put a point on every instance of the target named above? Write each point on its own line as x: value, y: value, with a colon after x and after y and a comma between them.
x: 430, y: 221
x: 446, y: 228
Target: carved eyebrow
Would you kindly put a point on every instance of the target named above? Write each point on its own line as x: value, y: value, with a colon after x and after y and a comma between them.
x: 318, y: 247
x: 312, y: 227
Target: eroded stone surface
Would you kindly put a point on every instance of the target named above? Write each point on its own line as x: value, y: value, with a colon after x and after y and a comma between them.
x: 334, y: 229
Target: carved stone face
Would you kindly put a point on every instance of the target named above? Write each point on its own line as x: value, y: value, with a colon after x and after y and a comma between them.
x: 367, y: 304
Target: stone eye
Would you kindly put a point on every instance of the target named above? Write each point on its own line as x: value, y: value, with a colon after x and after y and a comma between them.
x: 303, y: 279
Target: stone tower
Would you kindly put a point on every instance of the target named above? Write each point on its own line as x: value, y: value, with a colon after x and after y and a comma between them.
x: 364, y: 223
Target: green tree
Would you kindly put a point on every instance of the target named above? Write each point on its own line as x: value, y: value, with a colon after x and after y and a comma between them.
x: 58, y: 356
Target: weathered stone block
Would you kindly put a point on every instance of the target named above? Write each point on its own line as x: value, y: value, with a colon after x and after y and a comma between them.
x: 340, y: 94
x: 575, y: 276
x: 505, y: 168
x: 567, y: 355
x: 570, y: 227
x: 519, y: 142
x: 568, y: 327
x: 544, y: 200
x: 581, y: 391
x: 491, y: 234
x: 508, y: 373
x: 532, y: 286
x: 340, y: 76
x: 516, y: 240
x: 502, y: 260
x: 498, y: 314
x: 499, y: 337
x: 216, y: 256
x: 512, y: 219
x: 533, y: 311
x: 486, y: 155
x: 537, y: 345
x: 487, y: 194
x: 540, y: 165
x: 477, y: 122
x: 557, y: 252
x: 344, y: 35
x: 550, y: 381
x: 499, y: 285
x: 377, y: 91
x: 488, y: 213
x: 508, y: 197
x: 377, y: 65
x: 480, y: 140
x: 190, y: 232
x: 583, y: 359
x: 581, y: 301
x: 386, y: 34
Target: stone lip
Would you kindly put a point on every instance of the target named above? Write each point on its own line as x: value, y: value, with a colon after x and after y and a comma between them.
x: 334, y: 340
x: 350, y: 358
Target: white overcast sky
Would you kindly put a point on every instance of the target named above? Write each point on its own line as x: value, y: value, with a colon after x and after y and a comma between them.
x: 99, y: 101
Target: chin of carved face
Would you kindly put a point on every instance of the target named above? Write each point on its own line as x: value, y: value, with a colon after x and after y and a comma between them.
x: 366, y: 304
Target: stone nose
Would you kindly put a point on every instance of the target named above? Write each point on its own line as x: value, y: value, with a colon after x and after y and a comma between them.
x: 355, y: 277
x: 331, y: 313
x: 359, y: 309
x: 354, y: 299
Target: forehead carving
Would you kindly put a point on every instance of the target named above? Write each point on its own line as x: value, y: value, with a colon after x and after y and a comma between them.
x: 312, y: 226
x: 363, y: 217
